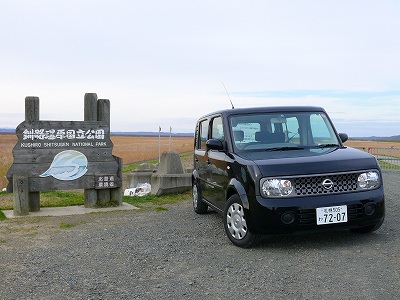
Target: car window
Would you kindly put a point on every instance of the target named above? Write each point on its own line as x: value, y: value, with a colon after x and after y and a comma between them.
x: 202, y: 135
x: 322, y: 134
x: 217, y: 131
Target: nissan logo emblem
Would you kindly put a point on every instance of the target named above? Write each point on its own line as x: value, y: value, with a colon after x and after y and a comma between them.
x: 327, y: 184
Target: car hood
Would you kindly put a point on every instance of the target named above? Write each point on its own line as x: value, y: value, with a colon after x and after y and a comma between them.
x: 311, y: 161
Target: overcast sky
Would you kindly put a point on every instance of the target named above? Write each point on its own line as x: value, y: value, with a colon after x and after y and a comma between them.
x: 162, y: 63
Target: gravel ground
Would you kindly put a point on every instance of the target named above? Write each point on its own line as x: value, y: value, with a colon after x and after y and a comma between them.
x: 176, y: 254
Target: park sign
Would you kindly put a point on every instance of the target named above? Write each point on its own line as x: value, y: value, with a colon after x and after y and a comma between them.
x: 56, y: 153
x: 65, y: 155
x: 47, y: 134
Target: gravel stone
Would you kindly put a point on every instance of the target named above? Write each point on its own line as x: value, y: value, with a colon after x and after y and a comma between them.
x: 177, y: 254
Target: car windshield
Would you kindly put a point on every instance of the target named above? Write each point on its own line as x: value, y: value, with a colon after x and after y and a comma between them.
x: 282, y: 131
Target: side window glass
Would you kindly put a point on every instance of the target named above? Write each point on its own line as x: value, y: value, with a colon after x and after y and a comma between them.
x: 203, y: 134
x: 217, y: 131
x: 320, y: 131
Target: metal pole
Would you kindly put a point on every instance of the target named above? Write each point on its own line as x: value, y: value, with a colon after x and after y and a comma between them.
x: 170, y: 140
x: 159, y: 144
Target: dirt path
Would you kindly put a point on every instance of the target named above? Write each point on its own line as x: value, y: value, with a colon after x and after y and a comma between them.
x: 176, y: 254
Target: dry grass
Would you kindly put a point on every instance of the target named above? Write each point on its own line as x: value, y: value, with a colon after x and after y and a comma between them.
x: 377, y: 147
x: 140, y: 148
x: 129, y: 148
x: 7, y: 143
x: 372, y: 144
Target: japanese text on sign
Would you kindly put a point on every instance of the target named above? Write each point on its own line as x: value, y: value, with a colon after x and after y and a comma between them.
x: 105, y: 181
x: 60, y: 134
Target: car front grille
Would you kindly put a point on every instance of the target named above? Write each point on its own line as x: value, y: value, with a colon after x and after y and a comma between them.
x: 314, y: 185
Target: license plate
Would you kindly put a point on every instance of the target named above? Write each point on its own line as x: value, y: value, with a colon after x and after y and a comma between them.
x: 331, y: 215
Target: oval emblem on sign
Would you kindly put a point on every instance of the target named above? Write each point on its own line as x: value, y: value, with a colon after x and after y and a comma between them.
x: 67, y: 165
x: 327, y: 184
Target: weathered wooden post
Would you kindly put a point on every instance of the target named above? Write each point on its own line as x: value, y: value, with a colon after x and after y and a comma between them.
x: 32, y: 115
x: 116, y: 194
x: 90, y: 114
x: 103, y: 115
x: 21, y: 195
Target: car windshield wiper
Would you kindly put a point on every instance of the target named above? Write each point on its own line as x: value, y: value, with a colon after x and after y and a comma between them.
x: 325, y: 146
x: 283, y: 148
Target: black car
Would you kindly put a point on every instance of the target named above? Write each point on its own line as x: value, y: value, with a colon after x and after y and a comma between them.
x: 278, y: 170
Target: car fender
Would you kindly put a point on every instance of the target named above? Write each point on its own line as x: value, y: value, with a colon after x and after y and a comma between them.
x: 240, y: 190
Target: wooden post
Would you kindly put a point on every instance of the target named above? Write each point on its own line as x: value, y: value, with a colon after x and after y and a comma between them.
x: 90, y: 109
x: 21, y: 195
x: 103, y: 197
x: 104, y: 111
x: 34, y: 201
x: 103, y: 115
x: 31, y: 109
x: 32, y: 114
x: 90, y: 198
x: 116, y: 194
x: 90, y: 114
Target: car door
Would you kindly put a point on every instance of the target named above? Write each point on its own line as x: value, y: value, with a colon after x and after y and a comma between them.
x: 201, y: 155
x: 217, y: 175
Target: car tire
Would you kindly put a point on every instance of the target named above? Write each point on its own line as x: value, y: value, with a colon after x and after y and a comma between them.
x: 368, y: 229
x: 236, y: 226
x: 199, y: 206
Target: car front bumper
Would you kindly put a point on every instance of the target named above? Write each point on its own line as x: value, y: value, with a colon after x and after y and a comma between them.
x: 297, y: 214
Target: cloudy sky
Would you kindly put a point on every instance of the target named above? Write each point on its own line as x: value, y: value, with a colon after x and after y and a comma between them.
x: 162, y: 63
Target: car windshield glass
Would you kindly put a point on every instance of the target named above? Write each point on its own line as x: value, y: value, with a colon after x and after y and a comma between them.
x: 282, y: 131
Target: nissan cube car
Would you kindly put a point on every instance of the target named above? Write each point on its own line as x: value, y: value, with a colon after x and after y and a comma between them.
x: 280, y: 170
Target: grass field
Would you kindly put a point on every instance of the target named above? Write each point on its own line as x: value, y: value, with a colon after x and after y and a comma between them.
x: 372, y: 144
x: 380, y: 149
x: 7, y: 143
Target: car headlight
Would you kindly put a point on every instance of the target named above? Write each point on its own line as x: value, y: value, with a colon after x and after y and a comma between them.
x: 276, y: 187
x: 368, y: 180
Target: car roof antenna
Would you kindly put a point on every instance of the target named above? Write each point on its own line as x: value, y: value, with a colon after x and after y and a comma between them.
x: 228, y: 95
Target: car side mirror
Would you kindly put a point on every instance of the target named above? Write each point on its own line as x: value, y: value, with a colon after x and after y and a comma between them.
x: 344, y: 137
x: 215, y: 144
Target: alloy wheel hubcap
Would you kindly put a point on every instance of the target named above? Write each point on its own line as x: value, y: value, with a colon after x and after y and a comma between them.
x: 236, y: 221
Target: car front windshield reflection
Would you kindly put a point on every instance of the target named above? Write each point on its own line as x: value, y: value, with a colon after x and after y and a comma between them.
x: 282, y: 131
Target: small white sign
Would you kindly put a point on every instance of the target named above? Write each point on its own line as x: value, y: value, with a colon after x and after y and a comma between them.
x: 331, y: 215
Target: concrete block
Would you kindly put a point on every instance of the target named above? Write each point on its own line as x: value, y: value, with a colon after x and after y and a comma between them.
x: 170, y: 183
x: 170, y: 163
x: 142, y: 174
x: 136, y: 178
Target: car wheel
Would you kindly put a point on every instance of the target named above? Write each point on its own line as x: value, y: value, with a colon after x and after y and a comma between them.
x: 368, y: 229
x: 198, y: 204
x: 236, y: 225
